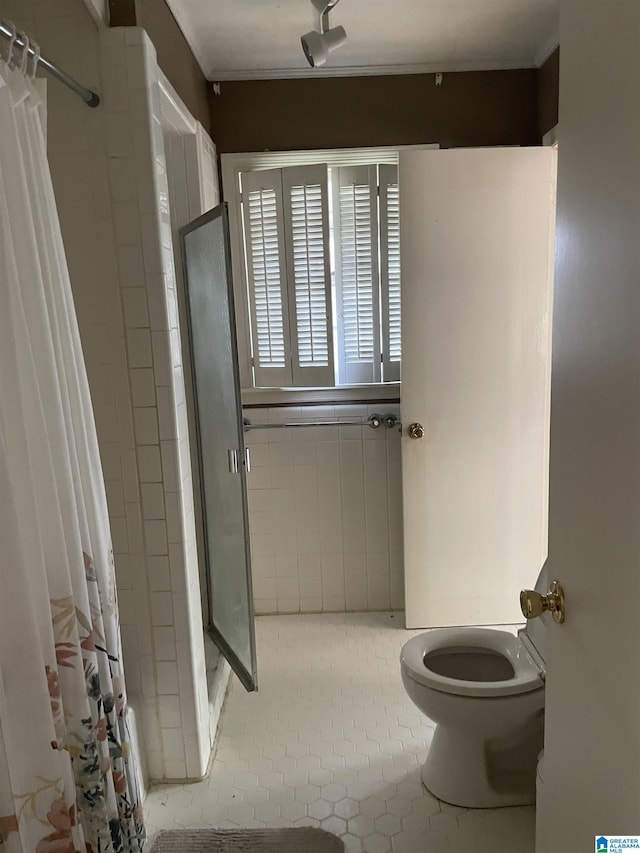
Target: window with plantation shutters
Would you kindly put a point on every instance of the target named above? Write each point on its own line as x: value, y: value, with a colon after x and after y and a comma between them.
x: 306, y: 219
x: 357, y: 277
x: 390, y: 272
x: 286, y: 225
x: 320, y: 239
x: 266, y: 268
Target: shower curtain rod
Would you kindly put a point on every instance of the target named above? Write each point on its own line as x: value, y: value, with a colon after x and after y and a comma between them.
x: 90, y: 98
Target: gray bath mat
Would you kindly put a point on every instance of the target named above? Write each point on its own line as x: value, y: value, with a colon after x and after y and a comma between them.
x: 301, y: 839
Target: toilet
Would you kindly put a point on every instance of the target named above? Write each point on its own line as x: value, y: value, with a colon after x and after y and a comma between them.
x: 484, y: 690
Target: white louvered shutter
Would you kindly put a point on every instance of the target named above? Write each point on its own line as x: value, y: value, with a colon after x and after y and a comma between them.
x: 267, y: 278
x: 306, y: 217
x: 390, y: 272
x: 357, y: 274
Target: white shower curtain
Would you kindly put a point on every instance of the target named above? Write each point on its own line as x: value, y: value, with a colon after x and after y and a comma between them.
x: 68, y: 779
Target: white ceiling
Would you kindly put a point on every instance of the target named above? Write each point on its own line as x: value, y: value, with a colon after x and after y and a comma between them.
x: 243, y: 39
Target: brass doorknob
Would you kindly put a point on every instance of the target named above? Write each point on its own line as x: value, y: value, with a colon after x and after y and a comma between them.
x: 415, y: 430
x: 534, y: 604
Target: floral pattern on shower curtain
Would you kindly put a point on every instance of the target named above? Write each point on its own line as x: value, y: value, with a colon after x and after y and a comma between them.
x: 68, y: 777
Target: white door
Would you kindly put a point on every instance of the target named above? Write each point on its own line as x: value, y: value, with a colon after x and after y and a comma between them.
x: 592, y: 734
x: 476, y: 251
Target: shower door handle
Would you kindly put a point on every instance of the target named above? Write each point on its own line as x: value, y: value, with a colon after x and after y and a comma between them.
x: 234, y: 461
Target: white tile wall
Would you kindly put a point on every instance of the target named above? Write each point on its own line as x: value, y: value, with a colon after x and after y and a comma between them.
x: 169, y: 593
x: 325, y: 510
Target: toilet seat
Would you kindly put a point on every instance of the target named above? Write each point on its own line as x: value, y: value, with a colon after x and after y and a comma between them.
x: 526, y: 678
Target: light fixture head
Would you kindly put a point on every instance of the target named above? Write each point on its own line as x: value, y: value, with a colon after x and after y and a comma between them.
x: 314, y: 48
x: 317, y: 46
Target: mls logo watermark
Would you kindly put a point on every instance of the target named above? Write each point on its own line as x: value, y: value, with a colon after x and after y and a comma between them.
x: 616, y: 843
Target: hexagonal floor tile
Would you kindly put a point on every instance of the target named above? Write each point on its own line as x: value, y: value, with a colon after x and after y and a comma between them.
x: 267, y: 811
x: 388, y: 824
x: 347, y: 808
x: 320, y: 809
x: 376, y: 843
x: 361, y: 825
x: 332, y: 740
x: 334, y: 792
x: 352, y: 844
x: 293, y: 810
x: 334, y: 824
x: 373, y: 807
x: 400, y: 806
x: 307, y: 793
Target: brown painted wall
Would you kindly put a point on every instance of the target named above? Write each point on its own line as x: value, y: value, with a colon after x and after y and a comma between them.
x: 122, y: 13
x: 175, y: 57
x: 470, y: 109
x: 548, y: 86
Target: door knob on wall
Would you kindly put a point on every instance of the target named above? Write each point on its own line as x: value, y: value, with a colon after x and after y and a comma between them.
x: 534, y: 604
x: 415, y: 430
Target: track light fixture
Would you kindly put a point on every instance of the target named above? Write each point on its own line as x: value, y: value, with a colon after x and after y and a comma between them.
x: 318, y: 45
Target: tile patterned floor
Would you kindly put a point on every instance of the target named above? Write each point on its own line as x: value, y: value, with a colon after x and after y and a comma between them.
x: 332, y: 740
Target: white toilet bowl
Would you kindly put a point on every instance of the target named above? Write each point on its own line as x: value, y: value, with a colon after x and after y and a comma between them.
x: 484, y: 689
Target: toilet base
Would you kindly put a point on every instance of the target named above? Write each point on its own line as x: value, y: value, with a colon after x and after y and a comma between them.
x: 469, y: 772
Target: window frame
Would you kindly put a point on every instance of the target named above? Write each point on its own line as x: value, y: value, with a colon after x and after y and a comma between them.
x: 231, y: 167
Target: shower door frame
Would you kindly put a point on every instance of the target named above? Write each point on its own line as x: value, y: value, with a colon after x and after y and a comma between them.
x: 249, y: 679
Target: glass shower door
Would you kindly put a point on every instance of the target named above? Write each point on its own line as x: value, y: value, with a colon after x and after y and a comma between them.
x: 220, y: 438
